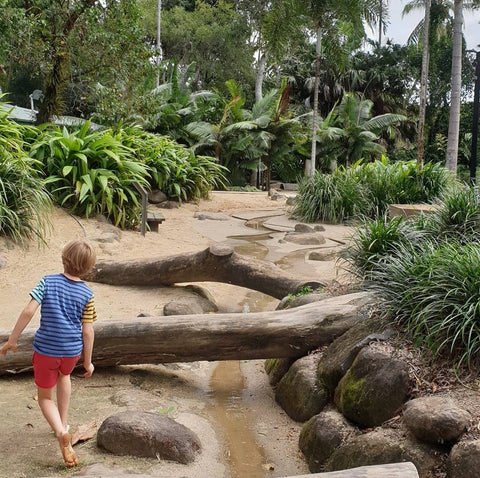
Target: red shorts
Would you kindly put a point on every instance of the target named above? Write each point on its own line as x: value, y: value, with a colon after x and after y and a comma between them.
x: 46, y: 370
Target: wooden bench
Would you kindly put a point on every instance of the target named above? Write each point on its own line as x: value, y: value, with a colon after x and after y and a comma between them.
x: 154, y: 219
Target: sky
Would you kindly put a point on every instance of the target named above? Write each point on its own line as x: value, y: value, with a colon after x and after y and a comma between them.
x: 401, y: 27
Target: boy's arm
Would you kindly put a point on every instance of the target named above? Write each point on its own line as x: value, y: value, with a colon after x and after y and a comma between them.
x: 23, y: 320
x: 88, y: 337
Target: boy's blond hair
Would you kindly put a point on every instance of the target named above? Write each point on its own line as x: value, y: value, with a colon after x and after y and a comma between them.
x: 78, y: 257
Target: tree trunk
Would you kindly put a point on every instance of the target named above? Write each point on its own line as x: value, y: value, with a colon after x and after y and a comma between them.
x: 423, y: 83
x: 262, y: 63
x: 313, y: 156
x: 190, y: 338
x: 57, y: 77
x: 218, y: 263
x: 456, y: 82
x: 392, y: 470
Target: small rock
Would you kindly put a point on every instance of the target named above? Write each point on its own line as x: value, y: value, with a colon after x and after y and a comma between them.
x: 148, y: 435
x: 300, y: 227
x: 212, y: 216
x: 435, y: 420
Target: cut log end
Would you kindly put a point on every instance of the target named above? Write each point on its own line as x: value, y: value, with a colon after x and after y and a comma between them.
x: 221, y: 250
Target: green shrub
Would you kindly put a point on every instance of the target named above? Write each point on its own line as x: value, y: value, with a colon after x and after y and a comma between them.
x: 330, y: 197
x: 426, y: 272
x: 91, y: 172
x: 173, y: 168
x: 24, y: 202
x: 433, y: 293
x: 374, y: 242
x: 367, y: 189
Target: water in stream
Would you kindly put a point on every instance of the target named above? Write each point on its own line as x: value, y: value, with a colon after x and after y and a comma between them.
x: 245, y: 457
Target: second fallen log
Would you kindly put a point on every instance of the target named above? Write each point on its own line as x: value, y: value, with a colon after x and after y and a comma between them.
x: 218, y: 263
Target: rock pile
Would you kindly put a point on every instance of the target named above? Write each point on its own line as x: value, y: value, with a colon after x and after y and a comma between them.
x: 355, y: 397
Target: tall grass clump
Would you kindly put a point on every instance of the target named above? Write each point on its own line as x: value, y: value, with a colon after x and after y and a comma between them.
x: 367, y: 189
x: 24, y: 201
x: 433, y: 294
x: 375, y: 241
x: 426, y: 272
x: 174, y: 169
x: 330, y: 197
x: 457, y: 217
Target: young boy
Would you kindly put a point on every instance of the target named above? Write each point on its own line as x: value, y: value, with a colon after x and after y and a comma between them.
x: 66, y: 331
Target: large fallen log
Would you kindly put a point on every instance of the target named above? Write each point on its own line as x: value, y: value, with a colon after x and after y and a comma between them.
x: 393, y: 470
x: 218, y: 263
x: 189, y: 338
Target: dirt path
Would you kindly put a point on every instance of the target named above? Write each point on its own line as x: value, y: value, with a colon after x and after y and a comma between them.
x: 183, y: 391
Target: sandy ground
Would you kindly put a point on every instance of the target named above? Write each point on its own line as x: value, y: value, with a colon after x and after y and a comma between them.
x: 228, y: 404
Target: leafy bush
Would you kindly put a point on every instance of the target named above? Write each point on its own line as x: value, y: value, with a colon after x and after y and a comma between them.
x: 173, y: 168
x: 368, y: 189
x: 24, y: 202
x: 91, y: 172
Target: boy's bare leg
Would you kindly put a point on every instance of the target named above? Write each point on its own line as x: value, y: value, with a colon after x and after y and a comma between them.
x: 64, y: 390
x: 52, y: 415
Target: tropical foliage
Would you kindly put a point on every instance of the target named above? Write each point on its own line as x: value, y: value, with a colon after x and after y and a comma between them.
x: 24, y: 202
x: 367, y: 189
x: 425, y: 271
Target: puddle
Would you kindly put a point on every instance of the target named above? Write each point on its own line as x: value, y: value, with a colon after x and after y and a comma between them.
x: 244, y: 456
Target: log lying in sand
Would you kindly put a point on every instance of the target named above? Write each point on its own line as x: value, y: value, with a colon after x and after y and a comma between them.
x: 189, y: 338
x: 392, y: 470
x: 218, y: 263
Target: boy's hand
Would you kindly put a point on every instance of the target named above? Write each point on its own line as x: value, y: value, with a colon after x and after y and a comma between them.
x: 89, y: 369
x: 8, y: 346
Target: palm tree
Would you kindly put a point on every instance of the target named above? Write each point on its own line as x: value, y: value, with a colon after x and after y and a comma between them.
x: 326, y: 17
x: 423, y: 82
x: 456, y: 82
x: 442, y: 18
x: 359, y: 131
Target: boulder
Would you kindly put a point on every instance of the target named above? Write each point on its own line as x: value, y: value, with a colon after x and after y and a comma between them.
x: 341, y: 353
x: 304, y: 239
x: 156, y: 196
x: 321, y: 436
x: 464, y: 460
x: 299, y: 393
x: 322, y: 256
x: 189, y: 306
x: 277, y: 368
x: 300, y: 227
x: 374, y: 388
x: 436, y: 420
x: 150, y: 435
x: 383, y: 446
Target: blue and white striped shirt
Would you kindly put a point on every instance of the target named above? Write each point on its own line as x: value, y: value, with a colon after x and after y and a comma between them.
x: 65, y: 305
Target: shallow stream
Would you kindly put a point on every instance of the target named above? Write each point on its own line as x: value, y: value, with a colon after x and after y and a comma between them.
x: 246, y: 458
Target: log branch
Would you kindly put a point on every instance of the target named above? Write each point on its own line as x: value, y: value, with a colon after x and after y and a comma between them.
x: 189, y: 338
x: 218, y: 263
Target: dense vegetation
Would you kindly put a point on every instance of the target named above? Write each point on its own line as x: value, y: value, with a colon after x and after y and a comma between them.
x: 426, y: 272
x: 237, y: 92
x: 91, y: 172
